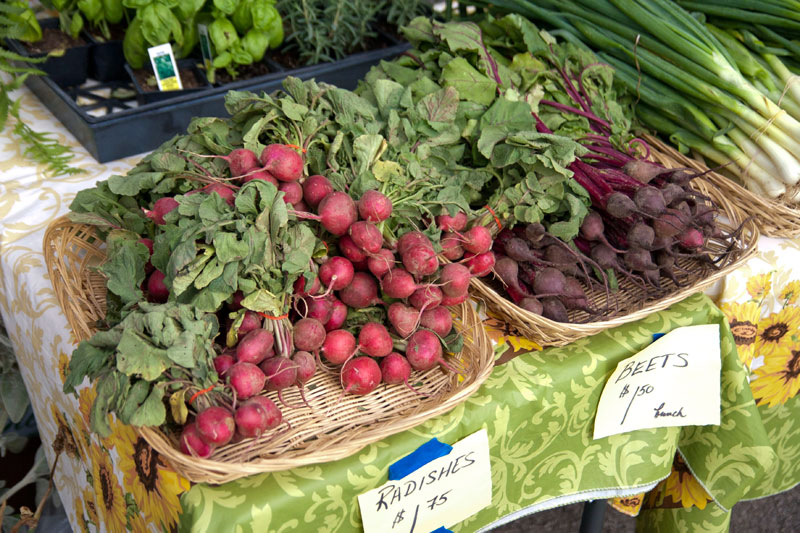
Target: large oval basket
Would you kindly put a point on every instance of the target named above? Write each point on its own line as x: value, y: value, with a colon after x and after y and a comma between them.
x: 332, y: 427
x: 633, y: 302
x: 774, y: 218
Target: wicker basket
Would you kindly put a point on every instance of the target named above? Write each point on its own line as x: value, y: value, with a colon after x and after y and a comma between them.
x: 633, y: 302
x: 335, y: 426
x: 774, y: 218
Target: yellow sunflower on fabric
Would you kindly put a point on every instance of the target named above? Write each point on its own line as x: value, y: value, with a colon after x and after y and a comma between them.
x: 778, y: 379
x: 759, y: 285
x: 683, y: 488
x: 65, y: 439
x: 776, y: 331
x: 83, y: 524
x: 790, y: 292
x: 109, y: 499
x: 91, y: 505
x: 156, y: 489
x: 743, y: 320
x: 63, y: 366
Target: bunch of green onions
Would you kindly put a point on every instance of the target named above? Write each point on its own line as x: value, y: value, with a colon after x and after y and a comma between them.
x: 718, y: 89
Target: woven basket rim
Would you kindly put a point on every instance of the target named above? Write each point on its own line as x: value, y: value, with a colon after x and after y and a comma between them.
x: 70, y: 272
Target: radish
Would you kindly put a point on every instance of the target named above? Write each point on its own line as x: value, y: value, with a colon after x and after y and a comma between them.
x: 339, y: 346
x: 156, y: 290
x: 381, y: 263
x: 262, y: 175
x: 251, y: 418
x: 336, y: 273
x: 282, y: 162
x: 374, y: 340
x: 374, y: 206
x: 255, y: 346
x: 225, y: 192
x: 300, y: 286
x: 292, y: 192
x: 362, y: 291
x: 274, y: 415
x: 481, y: 264
x: 451, y: 246
x: 319, y: 308
x: 424, y: 350
x: 420, y: 261
x: 251, y: 321
x: 308, y: 334
x: 222, y: 363
x: 215, y: 425
x: 360, y: 376
x: 449, y: 301
x: 397, y: 283
x: 438, y: 319
x: 337, y: 212
x: 454, y: 223
x: 395, y: 369
x: 149, y: 244
x: 236, y: 301
x: 404, y: 319
x: 454, y: 278
x: 193, y: 444
x: 338, y: 315
x: 301, y: 207
x: 281, y: 373
x: 410, y: 239
x: 426, y: 297
x: 315, y: 188
x: 477, y: 240
x: 366, y: 236
x: 160, y: 208
x: 306, y: 366
x: 246, y: 379
x: 350, y: 250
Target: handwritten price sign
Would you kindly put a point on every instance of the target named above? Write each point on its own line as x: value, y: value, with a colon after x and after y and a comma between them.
x: 443, y: 492
x: 672, y: 382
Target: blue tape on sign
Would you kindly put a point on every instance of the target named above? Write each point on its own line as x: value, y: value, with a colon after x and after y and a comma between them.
x: 441, y: 529
x: 433, y: 449
x: 657, y: 336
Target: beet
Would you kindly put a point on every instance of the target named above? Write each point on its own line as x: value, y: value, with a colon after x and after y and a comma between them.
x: 649, y: 201
x: 574, y: 296
x: 643, y: 171
x: 554, y: 309
x: 604, y: 256
x: 549, y: 281
x: 508, y: 271
x: 638, y: 259
x: 532, y: 305
x: 669, y: 224
x: 534, y: 232
x: 519, y: 250
x: 691, y: 239
x: 620, y: 206
x: 640, y: 235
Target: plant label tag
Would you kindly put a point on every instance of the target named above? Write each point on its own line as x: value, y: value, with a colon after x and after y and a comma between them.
x: 441, y: 493
x: 672, y: 382
x: 205, y: 46
x: 165, y: 68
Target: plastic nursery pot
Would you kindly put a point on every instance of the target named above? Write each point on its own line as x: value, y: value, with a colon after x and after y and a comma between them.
x: 106, y: 60
x: 147, y: 94
x: 67, y: 70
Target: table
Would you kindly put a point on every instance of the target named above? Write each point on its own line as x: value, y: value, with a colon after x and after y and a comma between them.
x: 538, y: 407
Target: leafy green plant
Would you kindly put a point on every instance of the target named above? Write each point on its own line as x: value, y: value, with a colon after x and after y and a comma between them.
x: 157, y: 22
x: 17, y: 21
x: 75, y: 15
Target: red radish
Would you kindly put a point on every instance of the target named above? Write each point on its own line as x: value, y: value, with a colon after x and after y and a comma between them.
x: 281, y: 373
x: 162, y: 207
x: 339, y: 346
x: 450, y: 301
x: 274, y: 415
x: 381, y: 262
x: 411, y: 239
x: 424, y: 350
x: 236, y: 301
x: 292, y: 192
x: 366, y: 236
x: 246, y: 379
x: 437, y: 319
x: 255, y: 346
x: 251, y: 419
x: 215, y: 425
x: 426, y: 297
x: 222, y: 363
x: 300, y: 286
x: 156, y: 290
x: 193, y: 444
x: 306, y: 366
x: 374, y: 340
x: 241, y: 161
x: 481, y: 264
x: 319, y: 308
x: 251, y: 321
x: 360, y: 376
x: 478, y: 239
x: 362, y: 291
x: 454, y: 278
x: 301, y: 206
x: 282, y: 162
x: 225, y: 192
x: 420, y: 261
x: 451, y: 246
x: 374, y: 206
x: 337, y: 212
x: 262, y: 175
x: 350, y: 250
x: 308, y: 334
x: 454, y: 223
x: 398, y: 283
x: 361, y: 266
x: 336, y: 273
x: 147, y: 242
x: 315, y: 188
x: 403, y: 318
x: 395, y: 369
x: 338, y: 315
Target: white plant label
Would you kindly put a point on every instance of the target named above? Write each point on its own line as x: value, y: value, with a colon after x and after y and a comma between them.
x: 165, y: 68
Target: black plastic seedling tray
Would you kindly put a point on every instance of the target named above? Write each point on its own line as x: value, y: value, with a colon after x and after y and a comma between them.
x: 111, y: 125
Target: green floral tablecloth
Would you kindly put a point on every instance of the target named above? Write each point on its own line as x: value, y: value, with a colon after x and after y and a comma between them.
x: 539, y: 412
